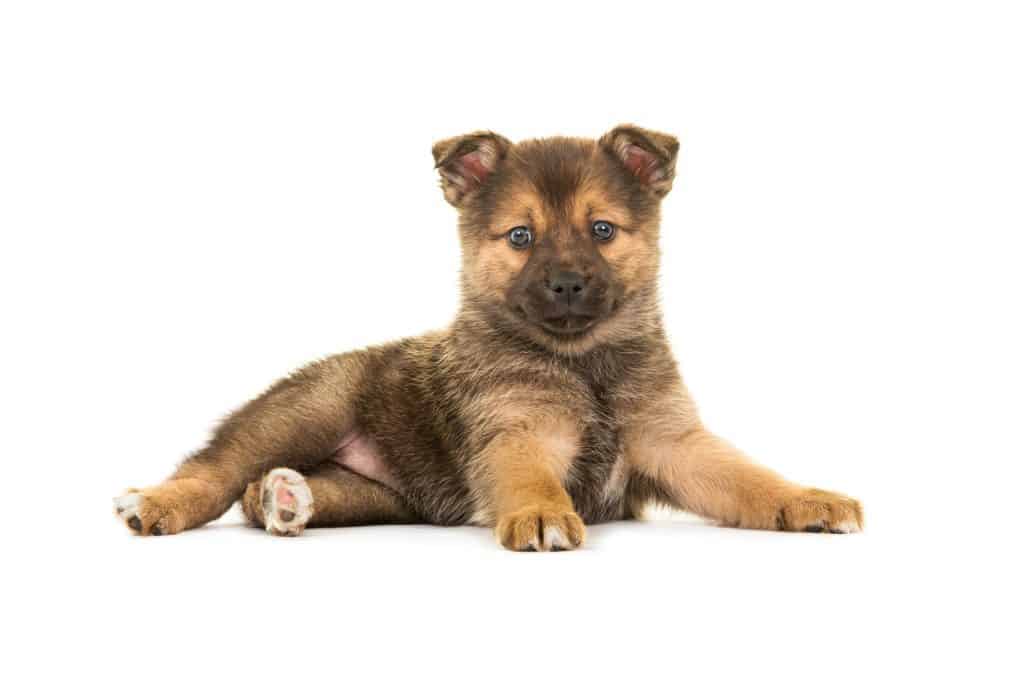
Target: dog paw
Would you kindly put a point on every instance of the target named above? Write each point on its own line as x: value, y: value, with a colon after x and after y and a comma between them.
x: 144, y: 514
x: 816, y: 511
x: 541, y: 528
x: 287, y: 502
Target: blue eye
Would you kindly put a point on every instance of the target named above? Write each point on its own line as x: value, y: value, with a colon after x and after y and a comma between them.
x: 603, y: 230
x: 520, y: 237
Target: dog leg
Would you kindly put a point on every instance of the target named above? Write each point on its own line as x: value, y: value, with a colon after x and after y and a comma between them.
x: 532, y: 509
x: 284, y: 502
x: 296, y: 424
x: 704, y: 474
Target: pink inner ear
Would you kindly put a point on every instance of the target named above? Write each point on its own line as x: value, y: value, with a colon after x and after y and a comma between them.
x: 641, y: 163
x: 472, y: 167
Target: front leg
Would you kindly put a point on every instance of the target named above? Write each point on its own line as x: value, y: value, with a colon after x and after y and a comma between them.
x: 521, y: 480
x: 704, y: 474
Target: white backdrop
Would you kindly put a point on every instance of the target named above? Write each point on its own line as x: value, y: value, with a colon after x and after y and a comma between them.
x: 197, y: 197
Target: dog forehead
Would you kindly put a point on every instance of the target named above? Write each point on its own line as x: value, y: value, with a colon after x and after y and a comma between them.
x: 555, y: 180
x: 554, y: 169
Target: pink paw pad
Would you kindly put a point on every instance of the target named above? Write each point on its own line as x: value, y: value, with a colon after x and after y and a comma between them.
x: 287, y: 502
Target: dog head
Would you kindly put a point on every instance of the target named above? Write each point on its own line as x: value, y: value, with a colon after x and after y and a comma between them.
x: 560, y: 235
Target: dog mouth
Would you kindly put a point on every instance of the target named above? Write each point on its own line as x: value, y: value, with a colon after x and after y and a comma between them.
x: 569, y: 326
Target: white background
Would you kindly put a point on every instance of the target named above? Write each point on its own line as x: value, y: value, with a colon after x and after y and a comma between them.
x: 197, y: 197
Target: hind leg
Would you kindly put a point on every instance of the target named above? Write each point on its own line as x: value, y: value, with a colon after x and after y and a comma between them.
x: 284, y: 502
x: 297, y: 423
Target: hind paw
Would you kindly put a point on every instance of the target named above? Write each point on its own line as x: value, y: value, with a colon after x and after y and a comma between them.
x: 287, y: 502
x: 147, y: 515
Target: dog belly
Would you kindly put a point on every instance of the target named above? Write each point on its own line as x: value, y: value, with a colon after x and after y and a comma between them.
x: 361, y: 454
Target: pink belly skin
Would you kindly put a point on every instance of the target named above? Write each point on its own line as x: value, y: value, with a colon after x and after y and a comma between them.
x: 360, y: 453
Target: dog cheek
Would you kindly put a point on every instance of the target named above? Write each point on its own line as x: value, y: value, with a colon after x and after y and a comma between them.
x: 517, y: 292
x: 633, y: 267
x: 492, y: 272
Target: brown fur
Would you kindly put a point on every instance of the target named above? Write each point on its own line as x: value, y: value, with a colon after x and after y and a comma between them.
x: 505, y: 419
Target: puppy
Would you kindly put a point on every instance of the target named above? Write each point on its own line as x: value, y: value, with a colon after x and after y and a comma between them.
x: 553, y: 400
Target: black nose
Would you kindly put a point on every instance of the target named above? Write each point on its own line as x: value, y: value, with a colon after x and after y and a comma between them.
x: 566, y: 285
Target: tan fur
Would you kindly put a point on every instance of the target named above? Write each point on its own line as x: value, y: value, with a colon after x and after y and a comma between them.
x: 706, y: 475
x: 173, y: 506
x: 524, y: 486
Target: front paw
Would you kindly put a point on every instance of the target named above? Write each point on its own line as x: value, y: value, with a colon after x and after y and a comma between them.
x: 541, y: 527
x: 815, y: 510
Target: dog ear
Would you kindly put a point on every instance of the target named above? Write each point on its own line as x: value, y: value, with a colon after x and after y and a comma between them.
x: 648, y: 156
x: 466, y: 162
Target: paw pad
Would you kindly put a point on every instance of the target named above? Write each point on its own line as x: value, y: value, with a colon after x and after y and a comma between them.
x: 287, y: 502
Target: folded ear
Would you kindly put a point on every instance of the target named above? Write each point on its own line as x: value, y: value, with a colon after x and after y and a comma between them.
x: 647, y: 155
x: 466, y: 162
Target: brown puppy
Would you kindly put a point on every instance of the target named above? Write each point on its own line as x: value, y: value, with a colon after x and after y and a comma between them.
x: 553, y: 400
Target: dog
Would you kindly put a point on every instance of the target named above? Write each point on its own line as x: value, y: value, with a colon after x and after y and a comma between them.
x: 553, y: 400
